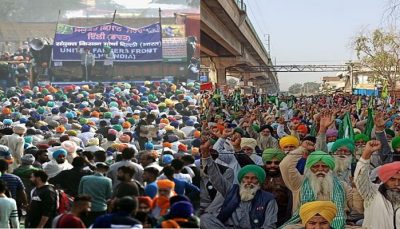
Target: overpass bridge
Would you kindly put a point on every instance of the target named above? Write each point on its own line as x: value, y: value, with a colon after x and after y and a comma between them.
x: 228, y: 39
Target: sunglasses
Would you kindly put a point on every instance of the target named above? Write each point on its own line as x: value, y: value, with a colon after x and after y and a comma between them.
x: 272, y: 162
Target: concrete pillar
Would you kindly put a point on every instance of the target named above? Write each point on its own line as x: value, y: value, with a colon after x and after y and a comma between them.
x: 221, y: 77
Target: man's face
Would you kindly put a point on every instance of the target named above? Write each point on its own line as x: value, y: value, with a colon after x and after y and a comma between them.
x: 394, y: 183
x: 342, y: 152
x: 250, y: 179
x: 146, y: 176
x: 85, y: 208
x: 60, y: 159
x: 266, y: 132
x: 120, y: 175
x: 247, y: 150
x: 360, y: 143
x: 331, y: 139
x: 43, y: 158
x: 166, y: 192
x: 33, y: 180
x: 144, y: 160
x: 272, y: 167
x: 143, y: 208
x: 289, y: 148
x: 317, y: 222
x: 320, y: 169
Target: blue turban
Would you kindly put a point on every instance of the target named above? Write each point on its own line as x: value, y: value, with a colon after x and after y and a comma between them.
x: 59, y: 152
x: 148, y: 146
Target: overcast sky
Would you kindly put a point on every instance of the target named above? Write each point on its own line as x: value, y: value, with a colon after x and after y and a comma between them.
x: 313, y: 31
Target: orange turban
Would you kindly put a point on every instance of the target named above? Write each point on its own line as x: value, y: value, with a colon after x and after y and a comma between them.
x: 165, y: 183
x: 95, y: 114
x: 302, y: 129
x: 387, y: 171
x: 60, y: 129
x: 167, y: 144
x: 197, y: 134
x: 126, y: 125
x: 182, y: 147
x: 6, y: 111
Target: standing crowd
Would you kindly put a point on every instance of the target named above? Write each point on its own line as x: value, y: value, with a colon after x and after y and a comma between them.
x: 100, y: 156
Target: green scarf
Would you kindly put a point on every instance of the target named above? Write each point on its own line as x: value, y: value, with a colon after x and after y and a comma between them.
x: 337, y: 196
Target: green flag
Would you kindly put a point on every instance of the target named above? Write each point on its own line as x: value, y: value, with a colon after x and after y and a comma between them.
x: 385, y: 92
x: 359, y: 104
x: 370, y: 124
x: 346, y: 128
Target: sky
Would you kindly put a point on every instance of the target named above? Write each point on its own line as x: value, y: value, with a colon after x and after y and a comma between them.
x: 313, y: 31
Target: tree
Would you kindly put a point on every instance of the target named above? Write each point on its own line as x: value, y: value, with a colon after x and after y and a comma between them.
x: 380, y: 52
x: 311, y: 87
x: 295, y: 88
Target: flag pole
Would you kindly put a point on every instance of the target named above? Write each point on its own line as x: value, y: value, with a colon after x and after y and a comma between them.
x: 52, y: 50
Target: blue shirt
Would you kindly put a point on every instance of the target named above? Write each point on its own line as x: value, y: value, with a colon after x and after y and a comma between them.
x: 14, y: 184
x: 99, y: 188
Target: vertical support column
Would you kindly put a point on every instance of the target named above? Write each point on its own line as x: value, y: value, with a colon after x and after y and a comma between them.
x: 221, y: 75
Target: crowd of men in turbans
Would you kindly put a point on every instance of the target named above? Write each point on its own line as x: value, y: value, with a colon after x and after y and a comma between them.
x: 100, y: 156
x: 326, y: 161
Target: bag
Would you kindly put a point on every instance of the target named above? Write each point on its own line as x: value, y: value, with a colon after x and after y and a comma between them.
x: 64, y: 202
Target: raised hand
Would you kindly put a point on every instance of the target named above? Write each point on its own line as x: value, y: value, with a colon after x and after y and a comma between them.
x: 326, y: 119
x: 371, y: 147
x: 379, y: 121
x: 205, y: 149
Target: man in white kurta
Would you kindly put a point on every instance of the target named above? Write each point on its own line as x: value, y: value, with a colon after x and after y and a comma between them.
x: 381, y: 201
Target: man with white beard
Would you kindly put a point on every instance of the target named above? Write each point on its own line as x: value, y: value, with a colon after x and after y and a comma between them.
x: 343, y: 151
x: 318, y: 183
x: 265, y: 139
x: 245, y: 204
x: 381, y: 201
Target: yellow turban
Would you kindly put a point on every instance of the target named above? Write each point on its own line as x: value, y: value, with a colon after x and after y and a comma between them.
x: 289, y: 140
x: 326, y: 209
x: 249, y: 142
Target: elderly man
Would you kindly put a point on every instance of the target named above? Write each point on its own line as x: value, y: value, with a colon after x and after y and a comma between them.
x: 161, y: 202
x: 343, y: 151
x: 318, y: 183
x: 57, y: 164
x: 15, y: 143
x: 289, y: 143
x: 265, y: 139
x: 245, y: 204
x: 275, y: 184
x: 318, y: 214
x: 381, y: 201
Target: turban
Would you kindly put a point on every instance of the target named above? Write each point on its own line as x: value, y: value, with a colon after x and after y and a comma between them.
x: 318, y: 156
x: 126, y: 125
x: 266, y: 127
x: 390, y: 132
x: 167, y: 159
x: 124, y: 138
x: 271, y: 153
x: 169, y: 224
x: 93, y: 142
x: 117, y: 127
x: 60, y: 129
x: 28, y: 139
x: 240, y: 131
x: 72, y: 133
x: 165, y: 183
x: 112, y: 132
x: 326, y: 209
x: 7, y: 122
x: 302, y: 129
x: 85, y: 128
x: 196, y: 134
x: 167, y: 144
x: 359, y: 137
x: 145, y: 200
x: 182, y: 148
x: 19, y: 129
x: 249, y: 142
x: 344, y: 142
x: 396, y: 142
x: 289, y: 140
x: 387, y: 171
x: 28, y: 159
x: 257, y: 170
x: 148, y: 146
x: 107, y: 115
x: 59, y: 152
x: 331, y: 133
x: 69, y: 146
x: 181, y: 209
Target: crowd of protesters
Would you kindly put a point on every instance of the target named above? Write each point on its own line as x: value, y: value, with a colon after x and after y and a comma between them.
x: 100, y: 156
x: 326, y: 161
